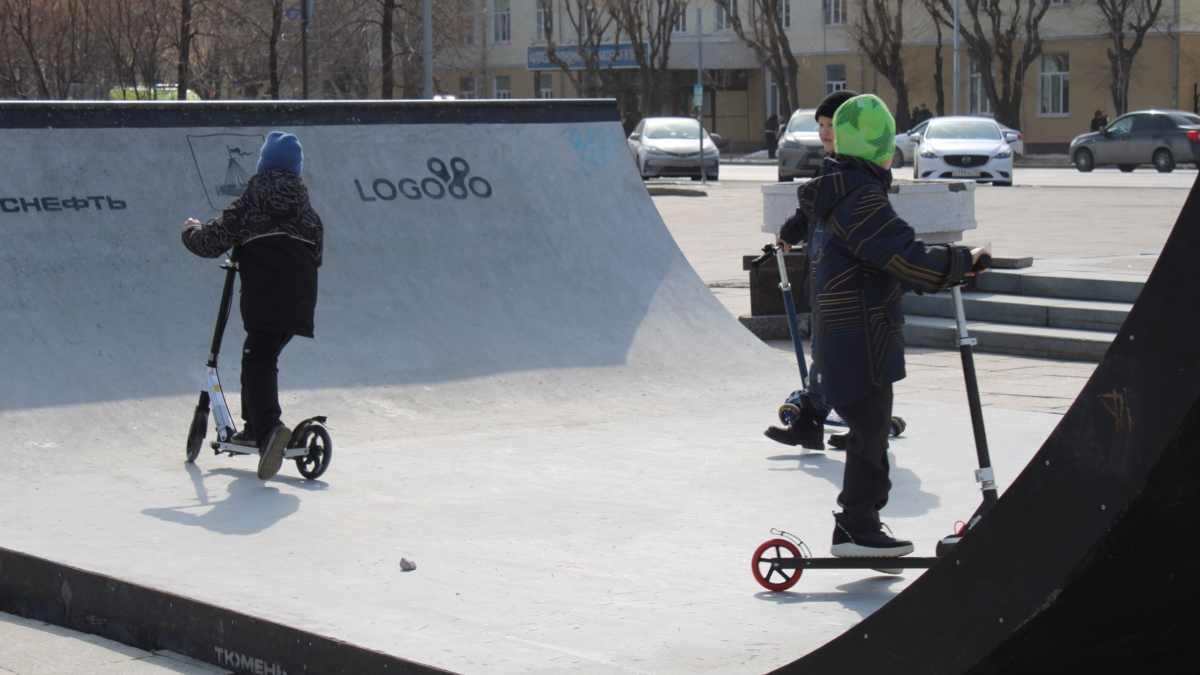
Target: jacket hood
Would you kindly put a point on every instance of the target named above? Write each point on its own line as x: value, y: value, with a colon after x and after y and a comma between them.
x: 821, y: 195
x: 280, y: 193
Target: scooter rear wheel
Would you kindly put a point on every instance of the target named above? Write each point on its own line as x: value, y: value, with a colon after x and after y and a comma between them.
x: 898, y: 425
x: 763, y: 565
x: 196, y: 433
x: 320, y: 452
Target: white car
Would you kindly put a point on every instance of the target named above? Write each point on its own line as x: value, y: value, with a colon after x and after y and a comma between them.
x: 906, y: 147
x: 670, y: 146
x: 964, y: 147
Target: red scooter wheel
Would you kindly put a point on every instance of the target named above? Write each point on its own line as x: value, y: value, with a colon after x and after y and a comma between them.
x: 766, y: 571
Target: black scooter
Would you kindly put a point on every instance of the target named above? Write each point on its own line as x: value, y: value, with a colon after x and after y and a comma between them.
x: 311, y: 446
x: 778, y: 563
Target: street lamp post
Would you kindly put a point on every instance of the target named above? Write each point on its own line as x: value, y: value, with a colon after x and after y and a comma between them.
x: 427, y: 51
x: 306, y: 15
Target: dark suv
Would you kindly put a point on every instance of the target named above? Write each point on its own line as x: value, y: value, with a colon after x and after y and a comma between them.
x: 1163, y: 138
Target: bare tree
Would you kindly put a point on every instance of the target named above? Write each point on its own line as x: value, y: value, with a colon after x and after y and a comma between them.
x: 1137, y: 17
x: 135, y: 35
x: 939, y: 78
x: 50, y: 44
x: 1003, y: 36
x: 879, y: 33
x: 649, y: 25
x: 188, y: 31
x: 761, y: 25
x: 588, y: 24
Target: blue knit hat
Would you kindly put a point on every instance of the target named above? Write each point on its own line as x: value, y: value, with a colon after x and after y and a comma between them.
x: 281, y: 151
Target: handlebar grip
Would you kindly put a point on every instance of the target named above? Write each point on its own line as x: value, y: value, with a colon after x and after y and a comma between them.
x: 769, y: 252
x: 984, y: 263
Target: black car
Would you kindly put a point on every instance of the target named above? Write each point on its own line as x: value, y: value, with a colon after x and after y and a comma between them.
x: 1163, y: 138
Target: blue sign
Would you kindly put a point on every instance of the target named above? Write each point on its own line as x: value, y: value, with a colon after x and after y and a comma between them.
x: 537, y: 59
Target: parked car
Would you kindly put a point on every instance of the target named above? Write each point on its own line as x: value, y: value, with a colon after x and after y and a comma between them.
x: 964, y: 147
x: 800, y: 151
x: 1163, y: 138
x: 670, y: 146
x: 906, y: 147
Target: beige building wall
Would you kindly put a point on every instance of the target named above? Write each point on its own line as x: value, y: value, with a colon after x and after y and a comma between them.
x: 1072, y: 27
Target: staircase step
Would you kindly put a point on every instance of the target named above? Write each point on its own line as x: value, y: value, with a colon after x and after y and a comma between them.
x: 1038, y: 341
x: 1063, y: 284
x: 1024, y: 310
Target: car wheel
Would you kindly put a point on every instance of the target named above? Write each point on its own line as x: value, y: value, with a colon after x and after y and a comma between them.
x: 1084, y: 161
x: 1164, y: 161
x: 898, y: 159
x: 1127, y: 168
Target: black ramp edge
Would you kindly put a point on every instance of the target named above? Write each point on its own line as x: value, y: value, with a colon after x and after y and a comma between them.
x: 188, y: 114
x: 150, y: 619
x: 1087, y: 563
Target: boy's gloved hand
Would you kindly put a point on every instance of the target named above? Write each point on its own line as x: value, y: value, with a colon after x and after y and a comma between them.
x: 191, y: 222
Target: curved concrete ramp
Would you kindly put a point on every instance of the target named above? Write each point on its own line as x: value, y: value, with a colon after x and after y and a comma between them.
x: 532, y: 395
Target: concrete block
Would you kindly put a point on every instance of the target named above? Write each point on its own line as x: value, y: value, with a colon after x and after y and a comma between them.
x: 774, y: 327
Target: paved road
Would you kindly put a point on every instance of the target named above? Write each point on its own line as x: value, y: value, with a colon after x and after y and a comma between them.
x: 1145, y: 177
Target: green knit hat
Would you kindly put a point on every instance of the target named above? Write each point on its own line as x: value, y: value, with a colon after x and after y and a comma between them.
x: 863, y: 127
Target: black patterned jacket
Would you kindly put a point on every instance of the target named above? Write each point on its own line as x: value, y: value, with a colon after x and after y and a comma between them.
x: 860, y: 274
x: 281, y: 241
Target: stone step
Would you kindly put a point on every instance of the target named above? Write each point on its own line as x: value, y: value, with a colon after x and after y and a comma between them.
x: 1078, y: 285
x: 1039, y: 341
x: 1024, y: 310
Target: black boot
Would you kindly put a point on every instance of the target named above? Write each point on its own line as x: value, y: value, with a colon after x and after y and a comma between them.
x: 806, y: 433
x: 838, y: 441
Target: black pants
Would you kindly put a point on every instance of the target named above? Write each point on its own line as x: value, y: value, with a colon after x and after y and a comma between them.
x: 260, y: 381
x: 865, y: 484
x: 771, y: 143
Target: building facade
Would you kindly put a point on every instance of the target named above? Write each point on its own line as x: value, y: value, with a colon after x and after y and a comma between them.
x: 1062, y: 90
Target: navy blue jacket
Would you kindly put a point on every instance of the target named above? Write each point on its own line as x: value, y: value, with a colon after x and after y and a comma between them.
x: 871, y: 256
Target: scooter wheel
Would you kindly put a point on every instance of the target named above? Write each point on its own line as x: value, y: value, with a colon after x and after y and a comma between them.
x: 320, y: 452
x: 766, y: 573
x: 199, y: 424
x: 788, y: 413
x: 898, y: 425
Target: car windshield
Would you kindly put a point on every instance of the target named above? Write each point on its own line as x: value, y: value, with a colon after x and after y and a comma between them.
x: 802, y: 123
x: 964, y: 130
x: 1187, y: 120
x: 688, y: 130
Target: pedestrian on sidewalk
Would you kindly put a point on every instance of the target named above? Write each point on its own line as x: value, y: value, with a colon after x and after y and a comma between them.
x: 869, y: 258
x: 769, y: 131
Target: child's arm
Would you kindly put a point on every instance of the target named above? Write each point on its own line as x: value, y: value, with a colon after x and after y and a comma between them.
x: 868, y: 227
x: 216, y: 236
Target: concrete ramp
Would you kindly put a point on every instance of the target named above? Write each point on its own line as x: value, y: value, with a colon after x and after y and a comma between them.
x: 532, y: 395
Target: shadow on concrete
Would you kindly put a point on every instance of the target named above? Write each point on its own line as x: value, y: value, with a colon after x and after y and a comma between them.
x: 249, y: 507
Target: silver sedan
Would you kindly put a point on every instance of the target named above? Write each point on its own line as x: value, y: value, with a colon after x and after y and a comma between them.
x: 670, y: 146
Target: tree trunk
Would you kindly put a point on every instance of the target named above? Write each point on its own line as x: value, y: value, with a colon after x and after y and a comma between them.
x: 185, y: 48
x: 387, y: 74
x: 273, y: 47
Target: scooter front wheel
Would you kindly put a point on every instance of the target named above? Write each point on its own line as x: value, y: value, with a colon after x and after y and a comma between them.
x: 199, y: 424
x: 767, y: 573
x: 320, y: 452
x: 898, y: 425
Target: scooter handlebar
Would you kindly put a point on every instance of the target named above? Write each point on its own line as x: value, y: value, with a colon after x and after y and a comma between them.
x: 984, y: 263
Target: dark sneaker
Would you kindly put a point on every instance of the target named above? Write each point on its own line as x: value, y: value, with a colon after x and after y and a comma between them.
x: 810, y: 435
x: 244, y: 437
x: 271, y: 455
x: 838, y: 441
x: 867, y: 544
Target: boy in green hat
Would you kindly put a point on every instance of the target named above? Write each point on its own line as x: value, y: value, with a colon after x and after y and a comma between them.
x: 870, y: 257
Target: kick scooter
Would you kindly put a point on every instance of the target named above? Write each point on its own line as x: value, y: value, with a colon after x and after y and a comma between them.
x: 311, y: 447
x: 789, y: 412
x: 778, y: 563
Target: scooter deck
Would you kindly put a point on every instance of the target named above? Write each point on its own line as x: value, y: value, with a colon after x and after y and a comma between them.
x: 901, y: 562
x: 239, y: 449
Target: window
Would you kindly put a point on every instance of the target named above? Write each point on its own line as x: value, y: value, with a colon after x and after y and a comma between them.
x: 1150, y: 123
x: 785, y: 11
x: 681, y: 22
x: 835, y: 78
x: 1121, y: 126
x: 1056, y: 84
x: 501, y: 87
x: 501, y: 21
x: 1060, y: 3
x: 466, y: 87
x: 545, y: 85
x: 978, y: 102
x: 473, y: 31
x: 772, y: 92
x: 835, y: 12
x: 720, y: 18
x: 539, y: 19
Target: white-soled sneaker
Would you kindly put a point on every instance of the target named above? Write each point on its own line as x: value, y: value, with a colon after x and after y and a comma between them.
x: 270, y: 457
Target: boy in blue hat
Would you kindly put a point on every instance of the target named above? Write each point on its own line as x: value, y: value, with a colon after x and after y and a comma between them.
x: 280, y: 243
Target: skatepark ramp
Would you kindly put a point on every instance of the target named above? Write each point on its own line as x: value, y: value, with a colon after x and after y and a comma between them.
x: 533, y: 395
